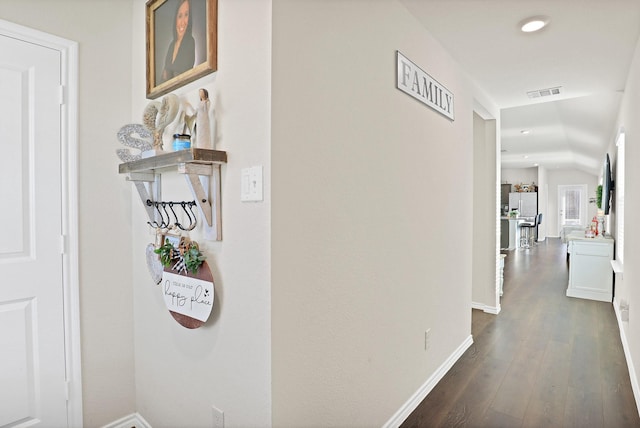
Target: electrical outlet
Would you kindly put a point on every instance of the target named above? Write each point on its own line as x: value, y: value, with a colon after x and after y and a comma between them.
x: 218, y: 417
x: 427, y: 339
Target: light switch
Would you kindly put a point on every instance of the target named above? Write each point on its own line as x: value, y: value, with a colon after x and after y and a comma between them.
x: 251, y: 183
x: 244, y: 182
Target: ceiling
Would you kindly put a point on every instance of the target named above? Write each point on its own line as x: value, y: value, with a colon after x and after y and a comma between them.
x: 586, y: 50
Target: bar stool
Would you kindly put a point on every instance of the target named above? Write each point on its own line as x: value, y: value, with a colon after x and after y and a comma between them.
x: 527, y: 232
x: 539, y: 223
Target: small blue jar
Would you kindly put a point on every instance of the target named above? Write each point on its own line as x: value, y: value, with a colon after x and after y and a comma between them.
x: 181, y: 142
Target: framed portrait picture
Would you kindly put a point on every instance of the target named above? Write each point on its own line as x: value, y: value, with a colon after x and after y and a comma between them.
x: 182, y: 38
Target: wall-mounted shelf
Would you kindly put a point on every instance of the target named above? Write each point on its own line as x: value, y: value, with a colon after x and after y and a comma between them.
x: 172, y: 159
x: 193, y: 163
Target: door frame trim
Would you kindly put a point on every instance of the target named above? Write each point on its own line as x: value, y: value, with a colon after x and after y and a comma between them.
x: 68, y: 50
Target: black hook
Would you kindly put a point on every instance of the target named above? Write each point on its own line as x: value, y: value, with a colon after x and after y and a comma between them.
x: 168, y: 222
x: 175, y: 216
x: 155, y: 222
x: 192, y: 220
x: 165, y: 218
x: 192, y: 217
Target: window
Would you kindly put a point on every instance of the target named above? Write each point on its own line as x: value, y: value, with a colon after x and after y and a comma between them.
x: 619, y: 198
x: 572, y: 207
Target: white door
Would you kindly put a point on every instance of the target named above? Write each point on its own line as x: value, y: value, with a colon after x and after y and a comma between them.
x: 32, y: 347
x: 572, y: 203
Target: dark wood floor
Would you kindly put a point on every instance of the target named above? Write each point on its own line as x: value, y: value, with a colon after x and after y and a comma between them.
x: 546, y: 360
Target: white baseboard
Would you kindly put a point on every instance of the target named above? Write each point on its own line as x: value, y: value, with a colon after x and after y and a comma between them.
x: 625, y: 345
x: 488, y: 309
x: 132, y: 421
x: 413, y: 402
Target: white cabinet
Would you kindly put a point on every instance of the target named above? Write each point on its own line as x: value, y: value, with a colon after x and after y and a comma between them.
x: 525, y: 202
x: 590, y: 275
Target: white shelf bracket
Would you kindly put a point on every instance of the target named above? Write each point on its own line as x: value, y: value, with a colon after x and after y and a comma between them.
x: 207, y: 199
x: 148, y: 187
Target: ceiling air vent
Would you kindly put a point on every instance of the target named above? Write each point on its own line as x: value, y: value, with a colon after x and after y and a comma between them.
x: 544, y: 92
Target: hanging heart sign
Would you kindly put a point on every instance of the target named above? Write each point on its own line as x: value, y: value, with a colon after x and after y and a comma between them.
x: 154, y: 264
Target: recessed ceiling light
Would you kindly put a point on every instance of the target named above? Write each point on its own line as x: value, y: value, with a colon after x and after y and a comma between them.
x: 526, y: 156
x: 525, y: 131
x: 533, y: 24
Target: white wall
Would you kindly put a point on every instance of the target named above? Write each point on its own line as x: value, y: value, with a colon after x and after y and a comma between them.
x: 627, y: 285
x: 372, y: 214
x: 519, y: 175
x: 103, y: 30
x: 543, y: 202
x: 484, y: 215
x: 181, y: 373
x: 567, y: 177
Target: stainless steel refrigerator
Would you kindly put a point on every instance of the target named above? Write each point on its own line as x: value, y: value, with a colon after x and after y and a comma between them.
x: 525, y: 202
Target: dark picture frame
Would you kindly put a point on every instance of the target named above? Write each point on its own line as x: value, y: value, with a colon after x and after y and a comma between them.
x: 164, y: 77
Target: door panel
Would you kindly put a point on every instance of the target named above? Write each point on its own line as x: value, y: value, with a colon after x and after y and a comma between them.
x: 32, y: 352
x: 572, y: 205
x: 12, y: 165
x: 17, y: 338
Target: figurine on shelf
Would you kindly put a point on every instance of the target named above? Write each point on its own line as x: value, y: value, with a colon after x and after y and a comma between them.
x: 157, y: 116
x: 203, y: 123
x: 149, y: 121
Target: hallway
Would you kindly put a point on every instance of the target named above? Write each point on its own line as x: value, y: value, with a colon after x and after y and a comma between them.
x: 546, y: 360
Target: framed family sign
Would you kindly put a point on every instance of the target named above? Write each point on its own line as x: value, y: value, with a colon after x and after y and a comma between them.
x: 182, y: 38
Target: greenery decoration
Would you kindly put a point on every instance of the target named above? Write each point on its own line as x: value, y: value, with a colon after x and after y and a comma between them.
x: 166, y: 253
x: 188, y: 255
x: 599, y: 196
x: 193, y: 258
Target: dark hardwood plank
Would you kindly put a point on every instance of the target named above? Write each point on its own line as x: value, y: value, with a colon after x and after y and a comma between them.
x: 512, y: 398
x: 476, y: 398
x: 548, y: 398
x: 546, y: 360
x: 496, y: 419
x: 583, y: 409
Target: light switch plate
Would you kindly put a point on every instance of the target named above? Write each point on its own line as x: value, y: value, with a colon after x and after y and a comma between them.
x: 251, y: 184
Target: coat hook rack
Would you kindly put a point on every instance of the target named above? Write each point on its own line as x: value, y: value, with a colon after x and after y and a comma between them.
x: 201, y: 168
x: 165, y: 217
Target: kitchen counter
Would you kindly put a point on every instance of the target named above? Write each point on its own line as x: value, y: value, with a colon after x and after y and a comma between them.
x: 510, y: 232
